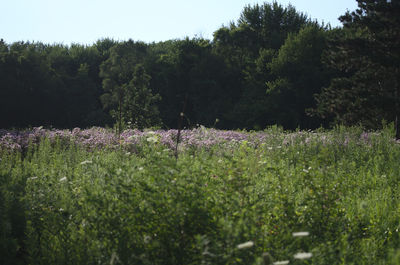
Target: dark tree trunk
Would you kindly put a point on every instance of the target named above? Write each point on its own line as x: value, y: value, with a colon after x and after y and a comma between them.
x: 120, y: 118
x: 180, y: 122
x: 397, y: 121
x: 397, y: 104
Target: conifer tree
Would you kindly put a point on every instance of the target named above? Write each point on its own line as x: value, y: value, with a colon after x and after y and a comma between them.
x: 366, y: 56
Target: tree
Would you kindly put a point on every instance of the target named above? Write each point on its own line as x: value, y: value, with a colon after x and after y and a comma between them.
x: 298, y: 74
x: 139, y: 102
x: 366, y: 57
x: 247, y: 47
x: 126, y: 86
x: 189, y: 71
x: 260, y: 27
x: 25, y: 77
x: 201, y: 73
x: 48, y: 85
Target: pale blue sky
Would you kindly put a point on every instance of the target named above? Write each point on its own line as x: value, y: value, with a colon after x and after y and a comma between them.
x: 85, y: 21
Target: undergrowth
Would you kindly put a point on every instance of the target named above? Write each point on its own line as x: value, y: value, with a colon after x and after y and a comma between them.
x: 64, y: 204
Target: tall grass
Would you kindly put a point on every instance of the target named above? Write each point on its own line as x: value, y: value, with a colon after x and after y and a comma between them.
x: 224, y: 203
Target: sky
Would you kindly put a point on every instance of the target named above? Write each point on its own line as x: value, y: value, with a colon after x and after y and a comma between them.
x: 86, y: 21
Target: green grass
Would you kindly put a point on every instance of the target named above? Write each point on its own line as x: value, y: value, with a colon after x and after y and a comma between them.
x: 64, y: 205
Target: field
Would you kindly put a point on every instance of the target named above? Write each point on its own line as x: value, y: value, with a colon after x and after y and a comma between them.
x: 229, y: 197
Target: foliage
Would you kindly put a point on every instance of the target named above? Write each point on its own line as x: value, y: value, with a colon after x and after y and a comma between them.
x: 274, y: 65
x: 222, y: 203
x: 247, y: 47
x: 222, y: 79
x: 298, y: 74
x: 365, y: 55
x: 125, y: 82
x: 190, y: 71
x: 49, y: 85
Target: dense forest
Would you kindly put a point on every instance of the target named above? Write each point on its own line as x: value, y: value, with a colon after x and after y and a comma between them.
x: 274, y: 65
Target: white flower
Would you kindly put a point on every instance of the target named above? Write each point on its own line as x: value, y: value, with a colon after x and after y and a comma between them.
x: 300, y: 234
x: 63, y: 179
x: 152, y: 139
x: 248, y: 244
x: 303, y: 255
x: 283, y: 262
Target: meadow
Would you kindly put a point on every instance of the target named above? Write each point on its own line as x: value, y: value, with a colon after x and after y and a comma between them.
x: 227, y: 197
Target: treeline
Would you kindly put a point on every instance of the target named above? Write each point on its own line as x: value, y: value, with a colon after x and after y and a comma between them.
x: 272, y: 66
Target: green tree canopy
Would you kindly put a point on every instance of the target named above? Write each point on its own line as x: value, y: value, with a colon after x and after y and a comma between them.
x: 366, y: 57
x: 125, y: 83
x: 139, y: 102
x: 247, y: 47
x: 298, y: 74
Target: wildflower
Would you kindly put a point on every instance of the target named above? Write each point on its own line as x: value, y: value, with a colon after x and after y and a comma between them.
x: 283, y: 262
x: 132, y: 137
x: 303, y: 255
x: 247, y: 244
x: 364, y: 136
x: 153, y: 139
x: 300, y: 234
x: 147, y: 239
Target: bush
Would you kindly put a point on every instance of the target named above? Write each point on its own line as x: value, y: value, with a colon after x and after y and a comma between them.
x: 222, y: 202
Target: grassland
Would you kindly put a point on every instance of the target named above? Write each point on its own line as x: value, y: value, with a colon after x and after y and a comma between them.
x: 90, y: 197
